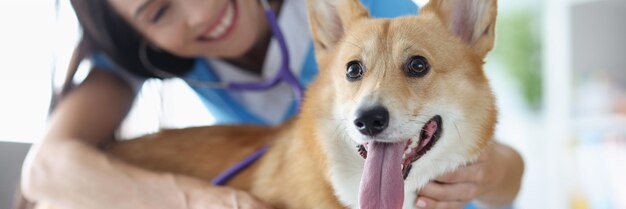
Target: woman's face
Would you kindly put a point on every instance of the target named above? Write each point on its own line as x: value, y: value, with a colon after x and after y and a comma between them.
x: 223, y: 28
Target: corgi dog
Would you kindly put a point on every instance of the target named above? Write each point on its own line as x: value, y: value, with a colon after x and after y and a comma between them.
x: 397, y: 102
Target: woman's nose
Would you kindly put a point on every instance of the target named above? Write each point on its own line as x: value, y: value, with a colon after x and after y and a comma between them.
x: 198, y: 13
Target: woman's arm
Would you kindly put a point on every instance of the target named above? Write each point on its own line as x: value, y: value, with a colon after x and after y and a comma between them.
x: 67, y: 169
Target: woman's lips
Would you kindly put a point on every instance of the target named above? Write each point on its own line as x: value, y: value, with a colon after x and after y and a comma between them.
x: 224, y: 25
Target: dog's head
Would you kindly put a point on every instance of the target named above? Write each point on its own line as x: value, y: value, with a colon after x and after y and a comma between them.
x: 406, y: 97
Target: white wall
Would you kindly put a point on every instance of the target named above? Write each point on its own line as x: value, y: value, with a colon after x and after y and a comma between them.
x: 26, y: 60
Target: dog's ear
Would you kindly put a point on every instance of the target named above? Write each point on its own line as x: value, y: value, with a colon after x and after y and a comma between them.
x: 473, y: 21
x: 329, y: 19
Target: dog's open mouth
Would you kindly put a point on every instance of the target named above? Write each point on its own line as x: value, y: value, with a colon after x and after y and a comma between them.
x: 417, y: 146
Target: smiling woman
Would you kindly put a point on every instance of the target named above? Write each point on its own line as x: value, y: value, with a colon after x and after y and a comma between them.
x: 111, y: 40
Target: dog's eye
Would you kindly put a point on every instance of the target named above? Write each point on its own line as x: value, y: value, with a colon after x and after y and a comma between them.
x: 354, y: 71
x: 417, y: 66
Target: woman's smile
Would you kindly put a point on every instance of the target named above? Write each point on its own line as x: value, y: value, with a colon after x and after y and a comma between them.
x: 221, y: 27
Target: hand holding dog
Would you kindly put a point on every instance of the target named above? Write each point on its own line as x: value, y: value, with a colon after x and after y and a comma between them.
x: 201, y: 195
x: 224, y: 198
x: 491, y: 181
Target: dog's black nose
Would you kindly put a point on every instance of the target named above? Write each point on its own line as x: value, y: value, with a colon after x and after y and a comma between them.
x: 372, y: 121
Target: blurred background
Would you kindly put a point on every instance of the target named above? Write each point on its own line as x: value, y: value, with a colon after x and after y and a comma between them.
x: 558, y: 71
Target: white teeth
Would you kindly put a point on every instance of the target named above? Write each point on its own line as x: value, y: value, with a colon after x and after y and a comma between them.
x: 225, y: 23
x: 413, y: 145
x: 414, y: 142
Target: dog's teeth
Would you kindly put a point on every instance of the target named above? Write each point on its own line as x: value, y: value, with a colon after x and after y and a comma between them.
x: 413, y: 145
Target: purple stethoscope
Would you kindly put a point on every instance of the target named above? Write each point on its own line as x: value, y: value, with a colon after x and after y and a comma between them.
x: 284, y: 74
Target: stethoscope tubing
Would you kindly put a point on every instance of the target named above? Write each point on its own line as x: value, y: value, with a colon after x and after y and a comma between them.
x: 285, y: 74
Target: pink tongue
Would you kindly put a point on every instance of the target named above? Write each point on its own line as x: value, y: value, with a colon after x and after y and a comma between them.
x: 382, y: 185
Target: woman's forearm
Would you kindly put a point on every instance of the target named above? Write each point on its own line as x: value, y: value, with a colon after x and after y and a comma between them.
x: 503, y: 190
x: 73, y: 174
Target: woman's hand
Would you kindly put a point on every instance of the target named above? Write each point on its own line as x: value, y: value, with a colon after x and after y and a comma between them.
x: 224, y: 198
x: 201, y: 195
x: 492, y: 180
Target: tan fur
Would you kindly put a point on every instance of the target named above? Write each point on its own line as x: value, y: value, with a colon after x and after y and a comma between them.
x: 299, y: 170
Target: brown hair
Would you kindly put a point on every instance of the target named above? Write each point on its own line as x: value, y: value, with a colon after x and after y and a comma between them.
x: 105, y: 31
